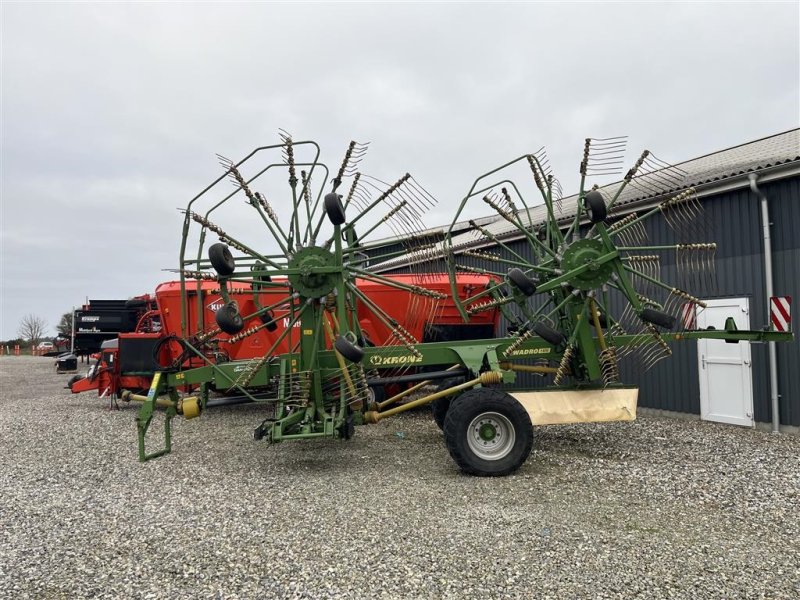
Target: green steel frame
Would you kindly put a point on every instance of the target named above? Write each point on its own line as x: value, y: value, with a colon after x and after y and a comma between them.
x: 317, y: 391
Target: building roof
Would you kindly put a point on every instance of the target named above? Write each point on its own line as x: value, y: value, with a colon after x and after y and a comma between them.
x: 705, y: 173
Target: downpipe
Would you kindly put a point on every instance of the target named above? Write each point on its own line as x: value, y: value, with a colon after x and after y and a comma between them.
x: 773, y: 360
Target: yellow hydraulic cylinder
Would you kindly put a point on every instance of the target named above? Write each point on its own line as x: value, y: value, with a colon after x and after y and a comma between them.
x: 411, y: 390
x: 527, y: 368
x: 490, y: 377
x: 596, y: 320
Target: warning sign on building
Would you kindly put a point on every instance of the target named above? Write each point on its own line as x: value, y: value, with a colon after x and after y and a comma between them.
x: 780, y: 312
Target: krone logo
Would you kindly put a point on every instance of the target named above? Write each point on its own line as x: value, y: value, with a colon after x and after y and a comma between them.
x: 405, y: 359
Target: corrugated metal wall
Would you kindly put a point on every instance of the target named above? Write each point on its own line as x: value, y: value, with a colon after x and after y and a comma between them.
x: 737, y: 229
x: 784, y: 200
x: 733, y: 221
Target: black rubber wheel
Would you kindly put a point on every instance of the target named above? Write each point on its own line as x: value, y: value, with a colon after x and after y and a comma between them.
x: 348, y: 349
x: 439, y: 410
x: 656, y: 317
x: 525, y: 284
x: 74, y: 379
x: 440, y: 407
x: 364, y: 341
x: 377, y: 393
x: 595, y: 206
x: 334, y: 208
x: 552, y: 336
x: 488, y: 433
x: 229, y: 320
x: 221, y: 259
x: 260, y: 278
x: 268, y: 318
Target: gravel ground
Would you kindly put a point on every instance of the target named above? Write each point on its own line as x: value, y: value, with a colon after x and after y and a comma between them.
x: 659, y: 508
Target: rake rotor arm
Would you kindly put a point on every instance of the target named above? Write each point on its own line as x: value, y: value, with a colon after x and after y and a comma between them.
x: 525, y: 266
x: 544, y: 184
x: 472, y: 192
x: 493, y: 238
x: 414, y: 289
x: 646, y: 277
x: 384, y: 317
x: 272, y: 224
x: 381, y: 198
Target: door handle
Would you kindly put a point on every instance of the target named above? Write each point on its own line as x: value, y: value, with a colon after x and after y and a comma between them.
x: 703, y: 360
x: 746, y: 362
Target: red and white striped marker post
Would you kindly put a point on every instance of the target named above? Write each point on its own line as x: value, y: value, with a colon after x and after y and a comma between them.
x: 689, y: 316
x: 780, y: 313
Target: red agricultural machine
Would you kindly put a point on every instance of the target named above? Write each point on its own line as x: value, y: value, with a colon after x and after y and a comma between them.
x: 129, y: 361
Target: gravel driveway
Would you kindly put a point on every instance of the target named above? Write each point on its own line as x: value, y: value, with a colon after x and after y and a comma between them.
x: 658, y: 508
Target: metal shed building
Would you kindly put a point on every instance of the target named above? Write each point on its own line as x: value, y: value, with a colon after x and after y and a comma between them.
x: 737, y: 388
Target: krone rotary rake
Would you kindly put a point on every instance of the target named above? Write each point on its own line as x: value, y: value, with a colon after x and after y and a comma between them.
x: 581, y: 292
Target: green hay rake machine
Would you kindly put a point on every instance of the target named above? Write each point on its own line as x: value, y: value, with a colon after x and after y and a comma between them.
x: 560, y: 294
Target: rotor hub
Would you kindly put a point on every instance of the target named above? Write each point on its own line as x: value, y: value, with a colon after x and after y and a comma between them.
x: 587, y: 252
x: 313, y: 278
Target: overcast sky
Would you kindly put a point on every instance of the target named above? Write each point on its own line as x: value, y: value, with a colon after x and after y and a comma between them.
x: 112, y: 113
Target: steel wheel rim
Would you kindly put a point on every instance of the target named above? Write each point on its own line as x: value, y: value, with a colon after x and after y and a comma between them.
x: 491, y: 436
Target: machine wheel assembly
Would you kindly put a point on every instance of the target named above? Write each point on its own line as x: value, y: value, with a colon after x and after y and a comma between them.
x: 439, y: 409
x: 552, y: 336
x: 656, y: 317
x: 488, y: 433
x: 349, y: 350
x: 229, y: 319
x: 522, y: 281
x: 375, y: 394
x: 595, y: 206
x: 334, y: 208
x: 74, y: 379
x: 268, y: 319
x: 221, y: 259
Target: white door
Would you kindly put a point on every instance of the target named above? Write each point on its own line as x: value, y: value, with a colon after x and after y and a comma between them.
x: 726, y: 382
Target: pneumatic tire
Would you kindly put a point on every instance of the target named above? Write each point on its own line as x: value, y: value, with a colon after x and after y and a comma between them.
x: 524, y: 283
x: 595, y: 206
x: 348, y: 349
x: 229, y: 320
x: 656, y: 317
x: 439, y: 409
x: 334, y: 208
x: 73, y: 380
x: 221, y: 259
x: 260, y: 277
x: 488, y: 433
x: 268, y: 319
x: 552, y: 336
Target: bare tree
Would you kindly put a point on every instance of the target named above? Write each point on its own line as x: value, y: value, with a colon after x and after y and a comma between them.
x: 32, y: 328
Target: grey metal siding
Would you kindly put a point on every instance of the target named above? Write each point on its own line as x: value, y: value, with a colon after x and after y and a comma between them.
x: 784, y: 200
x: 734, y: 223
